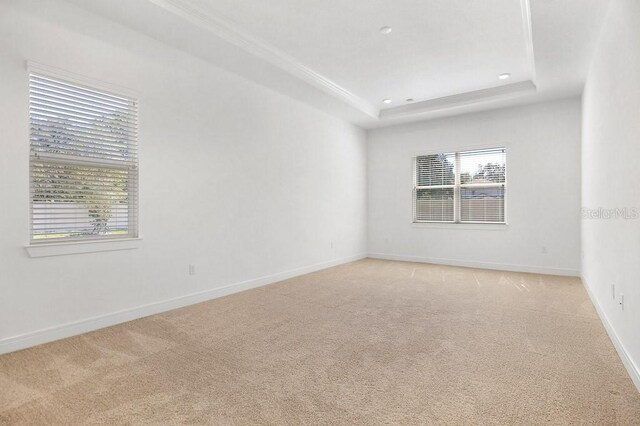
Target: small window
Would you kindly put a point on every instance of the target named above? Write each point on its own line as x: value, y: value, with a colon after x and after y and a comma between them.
x: 83, y: 162
x: 461, y: 187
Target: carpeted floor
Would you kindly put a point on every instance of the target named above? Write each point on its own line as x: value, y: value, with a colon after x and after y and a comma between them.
x: 371, y: 342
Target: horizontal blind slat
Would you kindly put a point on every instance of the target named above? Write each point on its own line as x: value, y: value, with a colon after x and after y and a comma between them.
x: 96, y: 118
x: 98, y: 96
x: 50, y: 105
x: 80, y: 153
x: 43, y: 137
x: 41, y: 91
x: 63, y: 126
x: 47, y: 114
x: 50, y: 128
x: 92, y: 110
x: 74, y: 149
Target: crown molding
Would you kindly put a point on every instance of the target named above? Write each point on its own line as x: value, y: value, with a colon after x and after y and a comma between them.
x: 478, y: 96
x: 525, y: 7
x: 237, y: 36
x: 461, y: 100
x: 246, y: 41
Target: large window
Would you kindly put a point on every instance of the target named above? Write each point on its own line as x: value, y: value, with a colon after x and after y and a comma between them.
x: 83, y: 162
x: 461, y: 187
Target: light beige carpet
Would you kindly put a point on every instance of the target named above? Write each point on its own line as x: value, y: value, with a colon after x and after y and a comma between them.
x: 371, y: 342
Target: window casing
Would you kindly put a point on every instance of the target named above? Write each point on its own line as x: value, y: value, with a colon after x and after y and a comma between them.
x: 460, y: 187
x: 83, y: 162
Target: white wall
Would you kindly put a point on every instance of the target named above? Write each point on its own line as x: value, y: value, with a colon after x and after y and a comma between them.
x: 543, y: 196
x: 610, y: 174
x: 239, y: 180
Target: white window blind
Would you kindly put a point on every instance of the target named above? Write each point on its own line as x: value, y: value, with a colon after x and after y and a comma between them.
x: 83, y: 162
x: 461, y: 187
x: 435, y: 188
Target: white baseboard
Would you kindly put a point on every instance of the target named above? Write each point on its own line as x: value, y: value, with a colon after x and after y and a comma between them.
x: 482, y: 265
x: 58, y: 332
x: 631, y: 366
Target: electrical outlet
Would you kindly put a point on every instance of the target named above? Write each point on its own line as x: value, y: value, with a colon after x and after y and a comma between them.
x: 192, y: 269
x: 613, y: 291
x: 621, y: 302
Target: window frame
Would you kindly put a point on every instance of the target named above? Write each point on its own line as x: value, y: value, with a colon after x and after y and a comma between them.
x: 38, y: 247
x: 457, y: 187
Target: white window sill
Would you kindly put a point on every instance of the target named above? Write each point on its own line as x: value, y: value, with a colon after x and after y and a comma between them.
x: 79, y: 247
x: 462, y: 226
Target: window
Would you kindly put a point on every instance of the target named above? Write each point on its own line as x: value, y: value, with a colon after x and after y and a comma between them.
x: 83, y: 162
x: 461, y: 187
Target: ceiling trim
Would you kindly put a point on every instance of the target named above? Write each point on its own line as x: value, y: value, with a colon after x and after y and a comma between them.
x: 525, y: 7
x: 461, y: 100
x: 236, y: 35
x: 246, y: 41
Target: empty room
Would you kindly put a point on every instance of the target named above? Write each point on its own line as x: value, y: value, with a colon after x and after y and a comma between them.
x: 305, y: 212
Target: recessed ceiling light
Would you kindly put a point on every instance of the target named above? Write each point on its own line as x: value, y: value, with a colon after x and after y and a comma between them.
x: 386, y: 101
x: 504, y: 76
x: 385, y: 30
x: 409, y: 99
